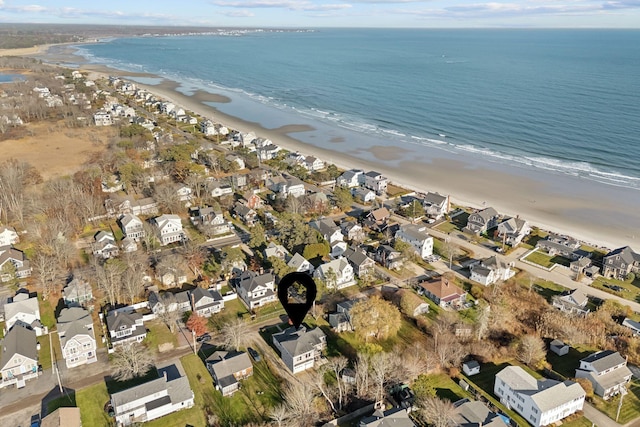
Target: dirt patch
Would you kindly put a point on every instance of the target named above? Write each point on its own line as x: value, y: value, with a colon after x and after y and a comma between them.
x: 54, y: 149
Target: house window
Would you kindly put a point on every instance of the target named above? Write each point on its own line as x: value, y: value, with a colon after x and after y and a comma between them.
x: 535, y: 411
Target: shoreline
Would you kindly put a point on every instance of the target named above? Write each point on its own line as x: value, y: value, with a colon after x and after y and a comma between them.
x: 540, y: 198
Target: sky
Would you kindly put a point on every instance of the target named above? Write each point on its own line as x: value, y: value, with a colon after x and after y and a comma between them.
x: 331, y: 13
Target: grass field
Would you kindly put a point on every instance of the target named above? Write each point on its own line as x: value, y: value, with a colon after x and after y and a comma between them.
x: 159, y: 334
x: 630, y: 290
x: 540, y: 258
x: 630, y: 404
x: 44, y: 355
x: 566, y: 365
x: 91, y: 401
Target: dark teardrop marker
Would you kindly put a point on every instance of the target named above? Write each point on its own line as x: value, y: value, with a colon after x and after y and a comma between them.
x: 297, y: 311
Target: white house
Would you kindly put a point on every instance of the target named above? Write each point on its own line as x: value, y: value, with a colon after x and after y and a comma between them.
x: 328, y: 229
x: 375, y: 181
x: 77, y: 292
x: 23, y: 309
x: 540, y: 402
x: 19, y: 359
x: 168, y: 301
x: 300, y: 264
x: 362, y: 194
x: 607, y: 370
x: 491, y: 270
x: 125, y: 327
x: 351, y: 178
x: 336, y: 274
x: 77, y: 339
x: 102, y: 118
x: 8, y: 236
x: 300, y: 348
x: 278, y: 251
x: 13, y: 264
x: 256, y: 290
x: 436, y: 205
x: 132, y: 226
x: 169, y: 229
x: 169, y: 393
x: 104, y: 245
x: 513, y: 230
x: 418, y: 238
x: 206, y: 302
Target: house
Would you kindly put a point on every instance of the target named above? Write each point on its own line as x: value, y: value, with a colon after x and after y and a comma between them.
x: 184, y: 192
x: 8, y: 236
x: 168, y: 301
x: 267, y: 152
x: 168, y: 229
x: 300, y: 264
x: 312, y: 163
x: 443, y: 292
x: 491, y: 270
x: 418, y: 238
x: 125, y: 327
x: 336, y: 274
x: 352, y: 231
x: 540, y: 402
x: 171, y: 275
x: 619, y: 263
x: 256, y: 290
x: 169, y: 393
x: 558, y: 347
x: 278, y: 251
x: 471, y: 367
x: 102, y: 118
x: 574, y: 302
x: 317, y: 202
x: 208, y: 127
x: 13, y: 264
x: 23, y: 309
x: 481, y: 221
x: 245, y: 213
x: 77, y: 339
x: 104, y: 245
x: 300, y: 348
x: 471, y: 413
x: 378, y: 219
x: 388, y: 257
x: 513, y: 230
x: 232, y: 158
x: 285, y: 186
x: 209, y: 217
x: 396, y: 417
x: 564, y: 246
x: 607, y: 370
x: 340, y: 321
x: 361, y: 263
x: 218, y: 188
x: 435, y: 205
x: 77, y: 293
x: 19, y: 359
x: 63, y: 417
x: 128, y: 245
x: 581, y: 266
x: 338, y: 248
x: 132, y: 226
x: 206, y: 302
x: 375, y: 181
x: 328, y: 229
x: 350, y: 178
x: 364, y: 195
x: 128, y: 205
x: 227, y: 369
x: 253, y: 201
x: 633, y: 325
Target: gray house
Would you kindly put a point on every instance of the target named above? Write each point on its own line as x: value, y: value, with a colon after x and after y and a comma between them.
x: 125, y: 328
x: 300, y: 348
x: 471, y: 413
x: 19, y: 359
x: 479, y: 222
x: 361, y: 263
x: 78, y: 292
x: 620, y: 262
x: 206, y: 302
x: 607, y: 371
x: 227, y: 369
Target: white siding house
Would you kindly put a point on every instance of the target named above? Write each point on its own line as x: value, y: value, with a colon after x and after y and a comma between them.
x: 418, y: 238
x: 169, y: 229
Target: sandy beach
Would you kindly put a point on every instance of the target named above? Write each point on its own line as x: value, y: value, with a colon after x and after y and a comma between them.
x: 598, y: 214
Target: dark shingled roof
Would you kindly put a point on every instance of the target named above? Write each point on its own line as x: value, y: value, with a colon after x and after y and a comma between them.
x: 19, y: 340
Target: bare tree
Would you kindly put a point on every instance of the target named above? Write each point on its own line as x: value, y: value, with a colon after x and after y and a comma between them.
x: 337, y: 365
x: 109, y: 279
x: 130, y: 361
x: 280, y: 414
x: 15, y: 177
x: 449, y: 350
x: 234, y: 334
x: 316, y: 379
x: 436, y: 411
x: 168, y: 313
x: 299, y: 397
x: 382, y: 366
x: 531, y: 350
x: 363, y: 379
x: 482, y: 321
x: 167, y: 198
x: 132, y: 277
x: 47, y: 271
x: 195, y: 256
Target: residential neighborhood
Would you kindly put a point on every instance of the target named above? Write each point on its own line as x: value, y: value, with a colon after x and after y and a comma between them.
x: 148, y: 290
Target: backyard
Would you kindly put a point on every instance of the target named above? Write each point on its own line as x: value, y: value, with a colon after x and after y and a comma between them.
x: 624, y: 289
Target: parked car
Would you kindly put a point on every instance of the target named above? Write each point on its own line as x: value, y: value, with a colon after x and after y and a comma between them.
x: 254, y: 354
x: 204, y: 337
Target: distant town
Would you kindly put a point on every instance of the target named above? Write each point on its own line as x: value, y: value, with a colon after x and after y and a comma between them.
x: 139, y: 285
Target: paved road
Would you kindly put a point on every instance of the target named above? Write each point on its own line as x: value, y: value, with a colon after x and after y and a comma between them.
x: 597, y: 417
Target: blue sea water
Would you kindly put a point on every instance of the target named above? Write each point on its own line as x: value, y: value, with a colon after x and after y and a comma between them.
x: 560, y: 100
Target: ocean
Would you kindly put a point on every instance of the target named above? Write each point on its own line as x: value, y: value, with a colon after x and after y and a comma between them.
x: 562, y: 101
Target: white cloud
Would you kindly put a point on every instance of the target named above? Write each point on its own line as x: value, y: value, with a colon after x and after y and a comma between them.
x: 283, y: 4
x: 239, y: 14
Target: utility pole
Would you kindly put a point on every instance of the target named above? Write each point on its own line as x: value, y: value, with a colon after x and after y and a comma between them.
x: 623, y: 391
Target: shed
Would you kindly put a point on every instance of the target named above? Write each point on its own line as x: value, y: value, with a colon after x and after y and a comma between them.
x: 559, y: 347
x: 471, y: 367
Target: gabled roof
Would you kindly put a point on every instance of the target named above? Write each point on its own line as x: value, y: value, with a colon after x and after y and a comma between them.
x: 277, y: 251
x: 396, y: 417
x: 297, y: 261
x: 487, y: 213
x: 338, y: 265
x: 8, y: 253
x: 373, y: 174
x: 603, y: 360
x: 325, y: 226
x: 201, y: 293
x: 300, y: 341
x: 224, y: 364
x: 72, y: 322
x: 21, y: 303
x: 434, y: 199
x: 626, y: 254
x: 19, y: 340
x: 250, y: 280
x: 380, y: 214
x: 77, y: 288
x: 414, y: 231
x: 474, y: 413
x: 356, y: 256
x: 63, y: 417
x: 576, y: 297
x: 442, y: 288
x: 117, y: 320
x: 129, y: 219
x: 513, y: 225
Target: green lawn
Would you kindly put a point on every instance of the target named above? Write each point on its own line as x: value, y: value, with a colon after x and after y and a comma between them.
x: 445, y: 387
x: 1, y: 330
x: 44, y: 355
x: 47, y: 316
x: 630, y: 404
x: 91, y: 401
x: 232, y: 309
x: 540, y: 258
x: 580, y: 422
x: 446, y: 227
x: 631, y: 290
x: 159, y: 334
x: 566, y: 365
x: 185, y: 417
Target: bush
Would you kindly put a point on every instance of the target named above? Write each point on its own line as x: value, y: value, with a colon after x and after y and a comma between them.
x: 631, y: 277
